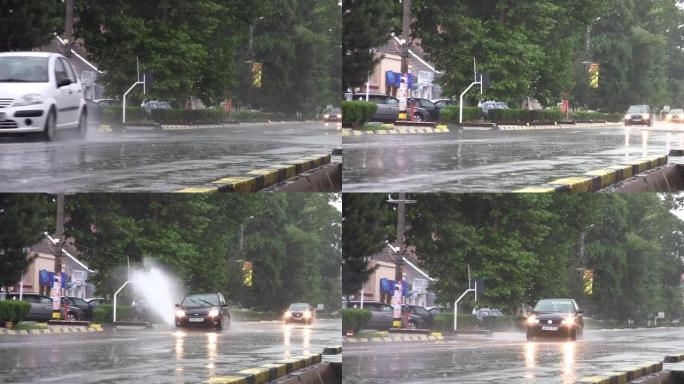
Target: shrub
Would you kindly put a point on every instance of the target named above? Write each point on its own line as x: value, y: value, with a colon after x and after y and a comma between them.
x: 13, y: 310
x: 445, y: 322
x: 133, y: 115
x: 512, y: 116
x: 354, y: 319
x: 595, y: 116
x: 105, y: 312
x: 249, y: 315
x: 358, y: 112
x: 449, y: 115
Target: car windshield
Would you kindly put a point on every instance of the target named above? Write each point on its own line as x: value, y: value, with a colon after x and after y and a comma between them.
x: 637, y: 109
x: 201, y: 300
x: 558, y: 306
x: 23, y: 69
x: 333, y: 111
x: 677, y: 111
x: 298, y: 307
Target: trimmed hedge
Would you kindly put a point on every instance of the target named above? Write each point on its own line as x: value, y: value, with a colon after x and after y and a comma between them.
x: 354, y: 319
x: 445, y: 322
x: 103, y: 313
x: 358, y: 112
x: 596, y: 116
x: 512, y: 116
x: 249, y: 315
x: 449, y: 115
x: 185, y: 116
x: 133, y: 114
x: 13, y: 310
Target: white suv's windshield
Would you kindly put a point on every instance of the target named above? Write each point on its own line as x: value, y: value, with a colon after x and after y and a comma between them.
x: 23, y: 69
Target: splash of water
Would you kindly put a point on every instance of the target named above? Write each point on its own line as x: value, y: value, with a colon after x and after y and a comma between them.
x: 158, y: 290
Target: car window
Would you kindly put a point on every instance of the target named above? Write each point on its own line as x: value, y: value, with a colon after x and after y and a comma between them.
x: 69, y: 70
x: 201, y: 300
x: 60, y: 72
x: 46, y: 300
x: 560, y: 306
x: 387, y: 308
x: 23, y: 69
x: 298, y: 307
x: 79, y: 302
x: 638, y: 109
x: 392, y: 100
x: 422, y: 312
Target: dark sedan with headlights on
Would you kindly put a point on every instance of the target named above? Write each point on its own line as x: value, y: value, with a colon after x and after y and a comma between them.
x: 299, y: 313
x: 555, y: 317
x: 208, y: 310
x: 639, y: 115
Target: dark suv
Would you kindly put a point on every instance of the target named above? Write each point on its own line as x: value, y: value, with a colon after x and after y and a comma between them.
x: 639, y: 115
x: 556, y: 317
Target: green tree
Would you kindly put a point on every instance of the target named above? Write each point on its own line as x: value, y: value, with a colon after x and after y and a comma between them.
x: 25, y: 25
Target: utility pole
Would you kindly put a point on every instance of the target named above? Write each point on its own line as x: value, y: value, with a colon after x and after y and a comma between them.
x: 69, y: 27
x: 406, y: 36
x: 397, y: 300
x: 57, y: 283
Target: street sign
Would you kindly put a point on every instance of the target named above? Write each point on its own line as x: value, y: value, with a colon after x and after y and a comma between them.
x: 88, y: 77
x: 425, y: 77
x: 484, y: 77
x: 661, y: 315
x: 419, y: 285
x: 396, y: 301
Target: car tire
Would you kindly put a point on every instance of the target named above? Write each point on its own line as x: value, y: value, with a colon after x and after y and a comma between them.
x: 412, y: 325
x: 530, y: 337
x: 573, y: 334
x: 83, y: 125
x: 50, y: 126
x: 418, y: 118
x: 219, y: 326
x: 71, y: 316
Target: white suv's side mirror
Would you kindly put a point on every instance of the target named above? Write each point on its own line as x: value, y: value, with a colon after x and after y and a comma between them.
x: 63, y: 83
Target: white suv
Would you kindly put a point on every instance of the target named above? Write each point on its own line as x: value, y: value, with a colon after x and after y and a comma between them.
x: 40, y: 92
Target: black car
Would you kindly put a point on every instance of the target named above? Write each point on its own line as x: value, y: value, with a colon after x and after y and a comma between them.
x: 424, y: 318
x: 76, y: 308
x: 299, y: 313
x: 639, y: 115
x: 41, y: 305
x: 424, y: 109
x: 203, y: 310
x: 332, y: 114
x: 556, y: 317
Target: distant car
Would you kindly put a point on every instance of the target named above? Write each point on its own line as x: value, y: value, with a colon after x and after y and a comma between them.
x: 425, y: 109
x: 487, y: 312
x: 443, y: 103
x: 76, y: 309
x: 426, y: 318
x: 151, y: 105
x: 203, y: 310
x: 639, y: 115
x: 439, y: 310
x: 490, y: 105
x: 382, y: 315
x: 556, y: 317
x: 675, y: 116
x: 299, y: 313
x: 332, y: 114
x: 41, y: 306
x: 97, y: 301
x: 40, y: 92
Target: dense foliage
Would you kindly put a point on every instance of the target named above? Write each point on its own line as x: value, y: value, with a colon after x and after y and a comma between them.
x: 13, y: 311
x: 29, y: 24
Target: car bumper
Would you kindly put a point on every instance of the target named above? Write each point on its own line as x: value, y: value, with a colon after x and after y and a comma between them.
x: 30, y: 118
x: 206, y: 321
x: 560, y: 331
x: 637, y: 122
x: 299, y: 319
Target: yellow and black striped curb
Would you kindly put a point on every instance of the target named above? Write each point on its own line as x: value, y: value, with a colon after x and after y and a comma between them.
x: 555, y: 126
x: 391, y: 130
x: 674, y: 358
x: 395, y: 338
x: 623, y: 376
x: 261, y: 178
x: 186, y: 127
x: 51, y: 330
x: 268, y: 372
x: 601, y: 178
x: 332, y: 350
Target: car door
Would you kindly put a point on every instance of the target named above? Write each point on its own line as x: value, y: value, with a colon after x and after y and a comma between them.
x: 76, y: 88
x: 65, y: 97
x: 45, y: 306
x: 425, y: 315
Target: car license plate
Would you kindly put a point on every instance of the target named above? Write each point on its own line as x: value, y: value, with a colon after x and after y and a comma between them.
x: 547, y: 328
x: 195, y: 319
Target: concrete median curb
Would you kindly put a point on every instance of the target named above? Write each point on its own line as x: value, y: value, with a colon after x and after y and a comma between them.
x: 435, y: 336
x: 556, y: 126
x: 332, y: 350
x: 52, y: 330
x: 596, y: 180
x: 623, y: 376
x: 674, y: 358
x: 259, y: 179
x: 268, y: 372
x: 391, y: 130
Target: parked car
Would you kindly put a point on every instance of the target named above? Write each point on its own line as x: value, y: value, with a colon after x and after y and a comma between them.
x: 481, y: 313
x: 443, y: 103
x: 425, y: 110
x: 439, y: 310
x: 204, y: 310
x: 299, y: 313
x: 487, y: 106
x: 675, y: 116
x: 41, y: 306
x: 426, y: 318
x: 382, y: 315
x: 151, y: 105
x: 332, y: 114
x: 639, y: 115
x: 76, y: 309
x: 97, y: 301
x: 41, y: 93
x: 556, y: 317
x: 388, y: 106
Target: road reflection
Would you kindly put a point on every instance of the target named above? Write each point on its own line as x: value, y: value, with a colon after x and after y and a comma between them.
x: 212, y: 339
x: 533, y: 352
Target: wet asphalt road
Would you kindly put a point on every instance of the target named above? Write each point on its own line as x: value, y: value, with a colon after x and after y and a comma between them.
x: 489, y: 161
x: 509, y: 358
x: 158, y: 356
x: 155, y: 162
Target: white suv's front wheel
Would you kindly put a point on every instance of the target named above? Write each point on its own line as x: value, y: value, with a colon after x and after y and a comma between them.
x: 50, y: 126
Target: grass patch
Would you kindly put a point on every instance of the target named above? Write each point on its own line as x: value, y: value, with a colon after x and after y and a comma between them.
x: 30, y: 326
x: 371, y: 333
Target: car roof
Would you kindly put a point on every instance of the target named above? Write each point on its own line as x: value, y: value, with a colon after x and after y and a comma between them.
x: 30, y: 54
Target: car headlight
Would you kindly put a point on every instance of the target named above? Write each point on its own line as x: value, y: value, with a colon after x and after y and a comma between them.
x: 307, y: 314
x: 180, y: 313
x: 532, y: 320
x: 326, y: 116
x: 213, y: 313
x: 645, y: 116
x: 28, y: 99
x: 628, y: 117
x: 568, y: 321
x: 288, y: 314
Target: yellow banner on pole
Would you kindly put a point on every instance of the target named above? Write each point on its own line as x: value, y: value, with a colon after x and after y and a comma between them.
x: 588, y: 281
x: 256, y: 75
x: 247, y: 273
x: 594, y: 75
